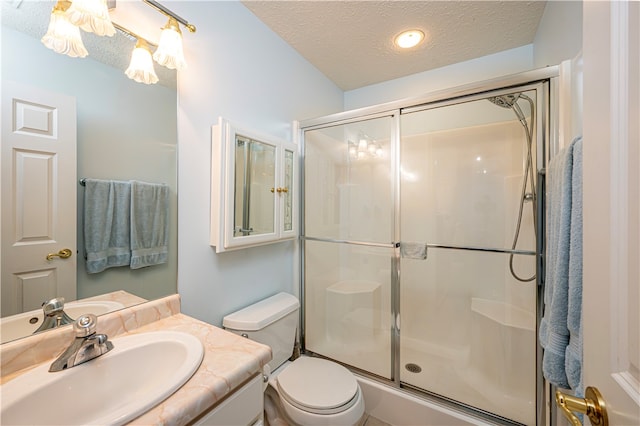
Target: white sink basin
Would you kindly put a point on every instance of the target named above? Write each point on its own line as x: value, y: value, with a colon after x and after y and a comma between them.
x: 21, y: 325
x: 139, y: 372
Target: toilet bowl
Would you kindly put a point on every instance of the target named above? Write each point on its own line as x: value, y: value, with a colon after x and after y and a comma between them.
x: 315, y: 391
x: 307, y: 391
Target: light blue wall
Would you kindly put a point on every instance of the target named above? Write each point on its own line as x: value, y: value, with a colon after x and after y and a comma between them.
x: 241, y: 70
x: 559, y: 35
x: 502, y: 63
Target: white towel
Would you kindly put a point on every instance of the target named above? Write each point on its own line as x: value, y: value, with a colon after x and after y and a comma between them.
x: 560, y: 327
x: 149, y: 224
x: 106, y: 224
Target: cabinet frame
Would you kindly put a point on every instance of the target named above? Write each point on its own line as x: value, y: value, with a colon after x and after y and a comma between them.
x: 223, y: 169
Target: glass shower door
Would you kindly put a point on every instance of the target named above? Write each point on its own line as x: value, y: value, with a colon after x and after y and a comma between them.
x: 468, y: 324
x: 348, y: 249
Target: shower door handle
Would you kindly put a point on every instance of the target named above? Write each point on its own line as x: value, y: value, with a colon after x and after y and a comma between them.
x: 412, y: 250
x: 592, y: 405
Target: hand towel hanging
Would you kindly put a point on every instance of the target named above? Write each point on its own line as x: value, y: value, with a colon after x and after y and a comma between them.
x: 107, y: 232
x: 149, y: 224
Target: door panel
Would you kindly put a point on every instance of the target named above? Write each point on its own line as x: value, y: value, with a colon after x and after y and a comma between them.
x: 348, y: 182
x: 611, y: 293
x: 38, y: 196
x: 348, y: 232
x: 468, y: 325
x: 348, y: 304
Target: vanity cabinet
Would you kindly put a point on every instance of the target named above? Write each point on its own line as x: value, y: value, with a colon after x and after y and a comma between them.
x: 243, y: 407
x: 253, y: 188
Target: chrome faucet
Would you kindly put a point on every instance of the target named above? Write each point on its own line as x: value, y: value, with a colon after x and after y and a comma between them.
x: 54, y: 315
x: 86, y: 346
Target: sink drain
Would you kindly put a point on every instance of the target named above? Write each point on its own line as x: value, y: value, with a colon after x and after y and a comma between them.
x: 413, y: 368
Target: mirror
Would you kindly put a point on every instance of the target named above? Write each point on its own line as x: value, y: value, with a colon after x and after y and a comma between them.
x: 125, y: 131
x: 254, y: 187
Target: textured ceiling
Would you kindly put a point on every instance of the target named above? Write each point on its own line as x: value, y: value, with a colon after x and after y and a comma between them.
x: 351, y: 42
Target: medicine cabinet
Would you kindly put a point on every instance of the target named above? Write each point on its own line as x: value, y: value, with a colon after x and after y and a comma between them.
x: 253, y: 188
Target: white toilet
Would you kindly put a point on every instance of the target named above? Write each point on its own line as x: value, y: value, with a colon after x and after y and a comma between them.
x: 307, y: 391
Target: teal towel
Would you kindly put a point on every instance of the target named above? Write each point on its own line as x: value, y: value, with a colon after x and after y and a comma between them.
x: 106, y: 224
x: 560, y: 328
x: 149, y: 224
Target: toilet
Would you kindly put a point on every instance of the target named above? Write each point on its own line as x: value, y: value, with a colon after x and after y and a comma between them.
x: 308, y: 391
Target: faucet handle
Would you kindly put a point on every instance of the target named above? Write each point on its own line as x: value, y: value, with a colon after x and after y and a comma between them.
x: 53, y: 306
x: 85, y: 325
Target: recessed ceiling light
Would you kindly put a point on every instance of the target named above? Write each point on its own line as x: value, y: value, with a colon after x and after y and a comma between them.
x: 408, y: 39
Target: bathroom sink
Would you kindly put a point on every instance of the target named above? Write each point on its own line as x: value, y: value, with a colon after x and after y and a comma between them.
x: 21, y: 325
x: 141, y: 371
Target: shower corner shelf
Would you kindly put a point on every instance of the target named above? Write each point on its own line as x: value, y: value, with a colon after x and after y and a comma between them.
x: 504, y: 313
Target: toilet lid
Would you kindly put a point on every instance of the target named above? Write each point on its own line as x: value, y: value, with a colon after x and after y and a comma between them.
x: 317, y: 385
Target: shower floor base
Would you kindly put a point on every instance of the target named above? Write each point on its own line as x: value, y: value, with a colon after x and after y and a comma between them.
x: 386, y: 405
x: 448, y: 373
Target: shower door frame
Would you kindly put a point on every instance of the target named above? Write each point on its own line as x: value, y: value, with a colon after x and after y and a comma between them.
x: 546, y: 83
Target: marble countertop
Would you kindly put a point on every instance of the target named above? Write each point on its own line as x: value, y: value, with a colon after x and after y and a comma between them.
x: 229, y: 360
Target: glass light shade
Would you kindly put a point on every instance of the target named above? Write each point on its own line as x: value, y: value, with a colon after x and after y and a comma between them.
x: 92, y: 16
x: 353, y: 151
x: 141, y: 66
x: 371, y: 148
x: 62, y: 36
x: 169, y: 52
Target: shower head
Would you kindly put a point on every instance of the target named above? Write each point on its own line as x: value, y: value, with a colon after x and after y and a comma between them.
x: 510, y: 101
x: 505, y: 101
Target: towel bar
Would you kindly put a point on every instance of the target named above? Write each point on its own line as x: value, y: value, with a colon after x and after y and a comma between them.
x: 443, y: 246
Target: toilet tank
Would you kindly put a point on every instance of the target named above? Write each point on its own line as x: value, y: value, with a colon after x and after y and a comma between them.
x: 272, y: 321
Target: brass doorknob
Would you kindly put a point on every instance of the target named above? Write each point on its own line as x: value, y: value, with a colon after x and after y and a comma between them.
x: 280, y: 190
x: 592, y: 405
x: 62, y: 254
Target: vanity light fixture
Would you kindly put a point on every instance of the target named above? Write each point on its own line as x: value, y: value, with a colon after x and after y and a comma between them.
x: 408, y: 39
x: 169, y: 52
x: 141, y: 66
x: 91, y: 16
x: 62, y: 36
x: 68, y: 17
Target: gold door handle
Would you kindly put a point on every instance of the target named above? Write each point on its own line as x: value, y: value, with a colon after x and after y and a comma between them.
x: 273, y: 190
x: 62, y: 254
x: 280, y: 190
x: 592, y: 405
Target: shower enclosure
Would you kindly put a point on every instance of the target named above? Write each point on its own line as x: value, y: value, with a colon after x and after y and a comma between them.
x: 421, y: 245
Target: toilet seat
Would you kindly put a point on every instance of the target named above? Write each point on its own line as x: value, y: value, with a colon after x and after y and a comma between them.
x: 318, y: 386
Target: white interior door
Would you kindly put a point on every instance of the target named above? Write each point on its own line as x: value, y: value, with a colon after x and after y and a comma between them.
x: 611, y: 297
x: 38, y: 197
